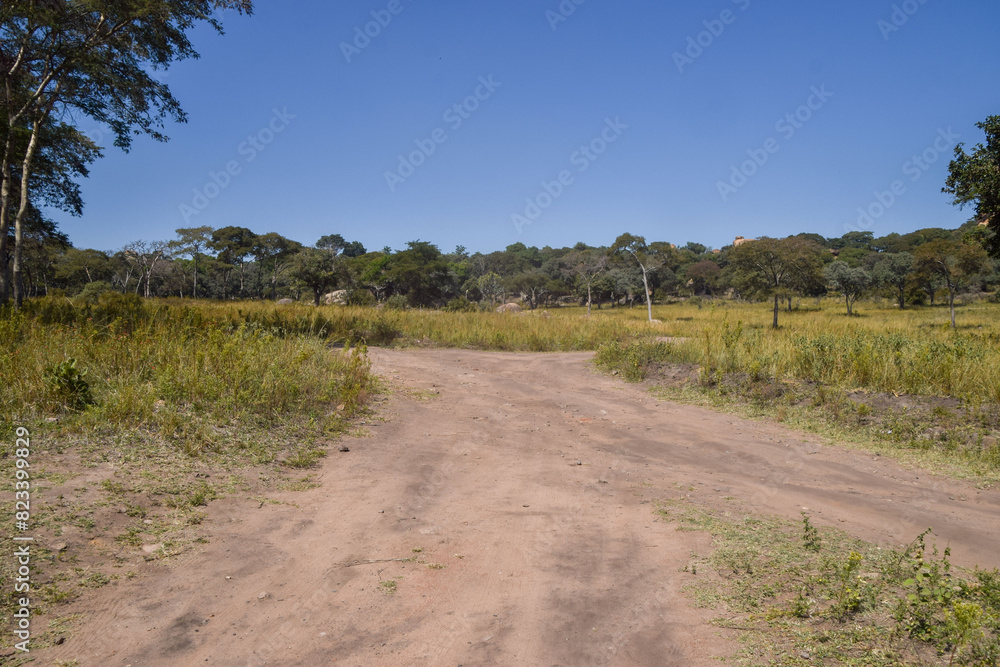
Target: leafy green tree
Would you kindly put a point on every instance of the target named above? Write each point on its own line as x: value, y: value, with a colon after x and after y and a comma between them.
x: 649, y: 257
x: 277, y: 250
x: 776, y: 268
x: 975, y: 178
x: 583, y: 267
x: 63, y: 156
x: 372, y: 271
x: 491, y: 287
x: 234, y: 246
x: 75, y: 58
x: 332, y: 243
x: 955, y: 264
x: 891, y: 271
x: 850, y: 281
x: 76, y: 268
x: 354, y: 249
x: 315, y: 269
x: 703, y: 276
x: 421, y: 274
x: 192, y: 241
x: 532, y: 284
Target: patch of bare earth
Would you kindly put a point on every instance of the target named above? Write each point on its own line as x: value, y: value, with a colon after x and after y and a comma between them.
x: 502, y: 514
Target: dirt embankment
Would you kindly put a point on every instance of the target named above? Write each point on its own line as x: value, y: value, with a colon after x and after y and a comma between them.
x: 501, y: 512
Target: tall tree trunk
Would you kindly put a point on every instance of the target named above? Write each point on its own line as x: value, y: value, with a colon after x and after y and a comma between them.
x: 5, y: 219
x: 22, y: 211
x: 777, y: 305
x: 588, y: 299
x: 649, y: 297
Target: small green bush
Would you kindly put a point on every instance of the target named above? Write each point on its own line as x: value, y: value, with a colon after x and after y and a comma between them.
x: 68, y: 385
x: 461, y: 305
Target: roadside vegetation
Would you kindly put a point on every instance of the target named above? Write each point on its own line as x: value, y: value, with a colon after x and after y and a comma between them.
x: 142, y: 413
x: 896, y: 381
x: 805, y: 596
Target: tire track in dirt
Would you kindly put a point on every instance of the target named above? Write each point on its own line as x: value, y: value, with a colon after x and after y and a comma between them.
x: 530, y: 479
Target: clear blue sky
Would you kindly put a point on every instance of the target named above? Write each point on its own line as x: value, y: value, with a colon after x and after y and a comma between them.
x: 887, y: 94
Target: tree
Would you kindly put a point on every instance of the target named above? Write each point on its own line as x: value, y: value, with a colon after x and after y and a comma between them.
x: 649, y: 258
x: 76, y: 268
x: 143, y: 256
x: 955, y: 264
x: 192, y: 241
x: 850, y: 281
x: 490, y: 285
x: 584, y: 266
x: 315, y: 269
x: 276, y: 249
x: 703, y: 276
x: 531, y: 284
x: 776, y: 268
x: 332, y: 243
x: 234, y: 245
x: 975, y: 178
x: 891, y: 270
x: 354, y: 249
x: 69, y: 58
x: 62, y: 156
x: 421, y: 273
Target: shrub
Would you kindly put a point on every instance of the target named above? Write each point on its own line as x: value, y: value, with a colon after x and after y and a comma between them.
x: 68, y: 386
x: 461, y: 305
x: 360, y: 297
x: 397, y: 302
x: 92, y: 292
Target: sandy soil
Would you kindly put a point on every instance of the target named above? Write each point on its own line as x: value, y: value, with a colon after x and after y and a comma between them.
x: 531, y: 480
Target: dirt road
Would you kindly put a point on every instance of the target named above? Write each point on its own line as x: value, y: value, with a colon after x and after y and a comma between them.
x: 501, y: 513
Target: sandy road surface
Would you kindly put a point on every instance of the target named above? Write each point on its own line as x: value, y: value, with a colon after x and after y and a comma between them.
x: 530, y: 479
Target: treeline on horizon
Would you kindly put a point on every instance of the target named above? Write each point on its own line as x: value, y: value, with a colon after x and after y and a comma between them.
x: 237, y: 263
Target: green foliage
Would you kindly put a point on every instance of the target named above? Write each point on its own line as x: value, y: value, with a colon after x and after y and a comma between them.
x: 397, y: 302
x: 810, y: 535
x: 974, y: 178
x: 68, y: 385
x: 360, y: 297
x: 838, y: 599
x: 91, y: 292
x: 850, y: 281
x: 632, y: 361
x: 461, y: 305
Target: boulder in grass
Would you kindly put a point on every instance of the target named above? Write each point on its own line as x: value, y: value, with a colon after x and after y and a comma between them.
x: 338, y: 298
x: 509, y: 308
x: 285, y: 302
